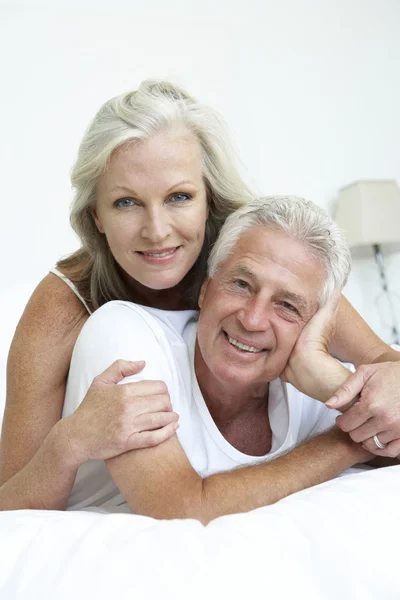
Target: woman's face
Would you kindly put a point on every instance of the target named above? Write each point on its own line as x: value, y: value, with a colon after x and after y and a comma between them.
x: 151, y: 205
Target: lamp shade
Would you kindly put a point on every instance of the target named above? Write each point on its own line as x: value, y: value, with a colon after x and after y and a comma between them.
x: 369, y: 212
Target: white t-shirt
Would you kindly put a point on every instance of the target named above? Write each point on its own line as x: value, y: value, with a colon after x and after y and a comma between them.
x: 166, y: 341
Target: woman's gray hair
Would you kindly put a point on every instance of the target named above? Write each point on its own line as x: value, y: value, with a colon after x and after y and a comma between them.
x: 137, y: 115
x: 301, y: 219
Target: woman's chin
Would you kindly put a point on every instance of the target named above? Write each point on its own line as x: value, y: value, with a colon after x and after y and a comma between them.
x: 160, y: 282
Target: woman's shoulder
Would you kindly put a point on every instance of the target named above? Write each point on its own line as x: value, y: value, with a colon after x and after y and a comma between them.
x: 46, y: 333
x: 53, y: 306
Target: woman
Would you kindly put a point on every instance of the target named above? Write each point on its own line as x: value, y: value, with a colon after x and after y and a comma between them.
x: 155, y: 179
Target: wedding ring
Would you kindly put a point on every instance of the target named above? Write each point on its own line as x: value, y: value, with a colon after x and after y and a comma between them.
x: 378, y: 443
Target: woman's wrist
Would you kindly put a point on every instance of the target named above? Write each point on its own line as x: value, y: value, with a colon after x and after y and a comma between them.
x: 64, y: 444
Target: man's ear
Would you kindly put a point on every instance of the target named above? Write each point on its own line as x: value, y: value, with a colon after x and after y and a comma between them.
x: 97, y: 221
x: 203, y: 291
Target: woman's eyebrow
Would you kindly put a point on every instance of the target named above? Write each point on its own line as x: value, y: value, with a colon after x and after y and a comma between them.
x: 123, y: 188
x: 183, y: 182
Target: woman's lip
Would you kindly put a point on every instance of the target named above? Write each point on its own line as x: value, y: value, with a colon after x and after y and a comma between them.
x: 160, y: 260
x: 158, y: 250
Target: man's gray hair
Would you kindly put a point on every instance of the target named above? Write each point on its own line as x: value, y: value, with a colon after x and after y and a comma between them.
x: 301, y: 219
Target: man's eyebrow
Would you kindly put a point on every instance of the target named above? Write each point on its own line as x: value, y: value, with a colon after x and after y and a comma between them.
x: 241, y: 270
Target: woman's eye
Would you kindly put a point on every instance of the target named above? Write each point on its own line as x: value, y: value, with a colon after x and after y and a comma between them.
x: 124, y: 203
x: 179, y: 197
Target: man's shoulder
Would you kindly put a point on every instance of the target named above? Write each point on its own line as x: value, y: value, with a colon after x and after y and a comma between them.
x: 120, y: 314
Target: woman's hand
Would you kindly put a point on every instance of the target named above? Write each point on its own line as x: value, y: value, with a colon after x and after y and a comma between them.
x: 113, y: 419
x: 377, y: 411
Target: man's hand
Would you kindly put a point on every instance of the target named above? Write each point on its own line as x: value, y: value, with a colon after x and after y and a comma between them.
x: 310, y: 368
x: 113, y: 419
x: 378, y: 410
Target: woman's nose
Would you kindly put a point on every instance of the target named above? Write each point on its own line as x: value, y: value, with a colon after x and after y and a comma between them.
x: 156, y: 226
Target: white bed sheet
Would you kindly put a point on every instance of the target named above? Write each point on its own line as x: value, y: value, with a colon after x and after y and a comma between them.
x: 337, y: 540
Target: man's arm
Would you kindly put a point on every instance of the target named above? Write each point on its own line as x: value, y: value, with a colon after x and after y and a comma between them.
x: 110, y: 421
x: 160, y: 482
x: 375, y: 411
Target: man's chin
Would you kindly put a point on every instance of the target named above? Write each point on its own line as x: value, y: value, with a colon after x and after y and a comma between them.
x: 240, y: 377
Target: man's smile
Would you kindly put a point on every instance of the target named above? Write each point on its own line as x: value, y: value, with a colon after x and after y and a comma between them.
x: 242, y: 345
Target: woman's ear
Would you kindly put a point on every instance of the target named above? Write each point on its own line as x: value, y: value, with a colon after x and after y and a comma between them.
x: 203, y: 291
x: 97, y: 221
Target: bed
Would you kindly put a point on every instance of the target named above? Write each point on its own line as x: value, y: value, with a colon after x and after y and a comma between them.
x: 336, y: 540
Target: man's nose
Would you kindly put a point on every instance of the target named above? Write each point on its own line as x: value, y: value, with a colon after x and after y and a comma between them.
x: 255, y: 316
x: 156, y: 226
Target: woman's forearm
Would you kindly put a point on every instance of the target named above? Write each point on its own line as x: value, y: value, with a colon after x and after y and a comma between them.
x: 46, y: 481
x: 354, y: 340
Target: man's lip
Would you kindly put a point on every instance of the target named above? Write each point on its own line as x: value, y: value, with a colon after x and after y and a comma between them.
x: 158, y: 250
x: 245, y: 342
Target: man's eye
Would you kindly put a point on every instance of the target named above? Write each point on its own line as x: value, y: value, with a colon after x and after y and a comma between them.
x: 124, y: 203
x: 243, y: 285
x: 179, y: 197
x: 289, y: 307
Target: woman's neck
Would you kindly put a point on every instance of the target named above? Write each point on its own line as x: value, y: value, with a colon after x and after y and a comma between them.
x: 176, y: 298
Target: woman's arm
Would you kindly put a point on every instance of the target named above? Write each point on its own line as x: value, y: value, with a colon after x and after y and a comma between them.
x: 116, y: 422
x: 37, y: 368
x: 39, y: 453
x: 355, y: 342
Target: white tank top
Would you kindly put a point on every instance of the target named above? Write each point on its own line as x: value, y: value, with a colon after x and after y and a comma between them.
x: 72, y: 286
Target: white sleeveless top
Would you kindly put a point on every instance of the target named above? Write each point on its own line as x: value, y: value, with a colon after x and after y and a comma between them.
x: 72, y: 286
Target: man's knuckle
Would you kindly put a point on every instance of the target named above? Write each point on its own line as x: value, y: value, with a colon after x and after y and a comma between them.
x: 385, y: 421
x: 344, y: 389
x: 355, y: 436
x: 148, y: 439
x: 162, y: 387
x: 97, y: 380
x: 392, y: 452
x: 166, y: 402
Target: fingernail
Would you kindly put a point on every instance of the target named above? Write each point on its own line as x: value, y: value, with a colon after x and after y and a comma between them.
x: 332, y: 402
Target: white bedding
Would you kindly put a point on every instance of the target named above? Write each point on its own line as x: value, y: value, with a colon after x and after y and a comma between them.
x: 338, y: 540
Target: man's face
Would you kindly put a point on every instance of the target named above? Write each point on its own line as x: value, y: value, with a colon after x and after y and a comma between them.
x: 254, y: 309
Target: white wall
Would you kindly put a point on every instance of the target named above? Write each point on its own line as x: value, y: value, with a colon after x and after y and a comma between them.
x: 310, y: 89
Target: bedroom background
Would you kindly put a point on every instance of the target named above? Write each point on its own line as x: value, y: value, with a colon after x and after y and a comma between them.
x: 310, y: 90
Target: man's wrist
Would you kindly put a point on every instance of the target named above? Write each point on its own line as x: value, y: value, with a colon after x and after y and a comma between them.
x: 352, y: 451
x: 324, y: 376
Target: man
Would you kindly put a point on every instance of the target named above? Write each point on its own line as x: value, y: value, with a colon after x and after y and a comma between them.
x: 276, y: 263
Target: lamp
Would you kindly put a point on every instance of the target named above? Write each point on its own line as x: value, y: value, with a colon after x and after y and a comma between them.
x: 369, y: 214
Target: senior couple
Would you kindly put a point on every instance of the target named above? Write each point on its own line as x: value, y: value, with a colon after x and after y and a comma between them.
x: 246, y: 438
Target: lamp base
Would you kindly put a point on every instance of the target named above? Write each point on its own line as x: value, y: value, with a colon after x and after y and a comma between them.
x: 384, y: 283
